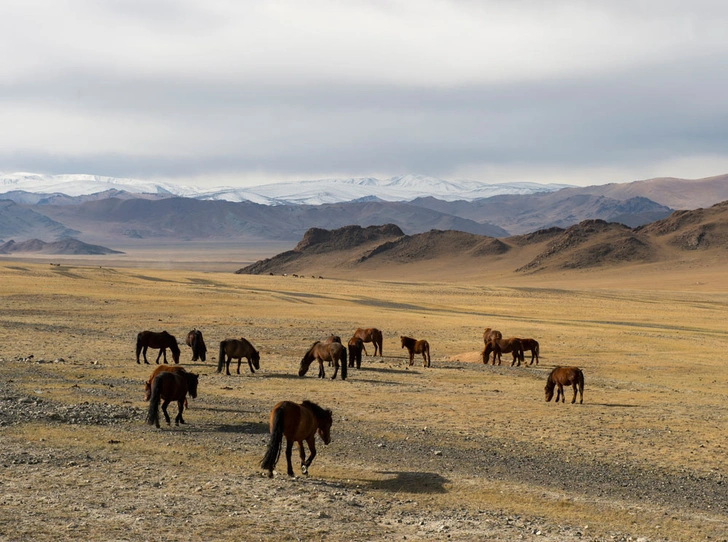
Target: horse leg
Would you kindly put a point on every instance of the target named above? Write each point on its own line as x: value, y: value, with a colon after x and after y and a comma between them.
x: 144, y: 353
x: 335, y: 361
x: 240, y: 361
x: 514, y: 359
x: 312, y: 449
x: 164, y: 409
x: 227, y: 365
x: 322, y: 372
x: 160, y: 355
x: 180, y: 407
x: 573, y: 400
x: 289, y: 451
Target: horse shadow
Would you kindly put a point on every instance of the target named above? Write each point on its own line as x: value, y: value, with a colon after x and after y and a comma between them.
x: 255, y: 428
x: 409, y: 482
x: 384, y: 370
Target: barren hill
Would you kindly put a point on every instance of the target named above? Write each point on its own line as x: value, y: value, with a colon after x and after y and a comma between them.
x: 64, y: 246
x: 587, y: 245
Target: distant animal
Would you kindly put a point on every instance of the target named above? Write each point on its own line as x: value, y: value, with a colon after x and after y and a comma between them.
x: 297, y: 423
x: 335, y: 352
x: 356, y: 345
x: 161, y: 340
x: 155, y: 372
x: 565, y: 376
x: 370, y: 335
x: 197, y: 343
x: 489, y: 335
x: 170, y: 386
x: 238, y: 349
x: 532, y: 345
x: 504, y: 346
x: 416, y: 347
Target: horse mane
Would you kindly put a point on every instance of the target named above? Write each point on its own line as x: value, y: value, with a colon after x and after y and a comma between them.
x: 408, y: 341
x: 318, y: 411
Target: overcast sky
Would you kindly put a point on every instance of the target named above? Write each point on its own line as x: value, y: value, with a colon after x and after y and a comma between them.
x: 213, y: 92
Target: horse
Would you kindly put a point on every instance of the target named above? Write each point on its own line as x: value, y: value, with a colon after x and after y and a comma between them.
x: 489, y: 335
x: 155, y: 372
x: 417, y: 347
x: 297, y: 423
x: 532, y: 345
x: 238, y: 349
x: 335, y: 352
x: 197, y: 343
x: 370, y: 335
x: 569, y: 376
x: 356, y: 345
x: 152, y: 339
x: 170, y: 387
x: 504, y: 346
x: 332, y: 339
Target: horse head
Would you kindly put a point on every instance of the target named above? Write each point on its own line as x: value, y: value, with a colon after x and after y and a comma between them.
x: 324, y: 429
x: 255, y: 358
x: 549, y: 388
x: 192, y: 380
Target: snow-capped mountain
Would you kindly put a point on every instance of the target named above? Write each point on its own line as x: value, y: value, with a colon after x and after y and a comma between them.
x: 400, y: 188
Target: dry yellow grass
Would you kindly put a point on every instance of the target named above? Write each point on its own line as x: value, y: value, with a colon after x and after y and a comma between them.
x: 651, y: 346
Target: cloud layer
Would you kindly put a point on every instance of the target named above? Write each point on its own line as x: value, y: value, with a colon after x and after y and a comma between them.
x: 246, y: 92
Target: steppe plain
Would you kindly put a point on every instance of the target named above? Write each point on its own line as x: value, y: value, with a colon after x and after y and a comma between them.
x: 459, y: 451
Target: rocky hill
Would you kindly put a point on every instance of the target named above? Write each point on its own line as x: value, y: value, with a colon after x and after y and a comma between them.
x: 64, y: 246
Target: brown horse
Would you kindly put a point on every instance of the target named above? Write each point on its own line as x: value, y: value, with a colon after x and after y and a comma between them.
x: 170, y: 387
x: 238, y: 349
x: 504, y: 346
x: 356, y: 345
x: 489, y: 335
x: 331, y: 339
x: 532, y: 345
x: 370, y: 335
x: 565, y: 376
x: 297, y: 423
x: 155, y: 372
x: 335, y: 352
x: 417, y: 347
x: 152, y: 339
x: 197, y: 343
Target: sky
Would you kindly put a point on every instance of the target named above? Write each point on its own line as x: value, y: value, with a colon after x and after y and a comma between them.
x: 241, y: 93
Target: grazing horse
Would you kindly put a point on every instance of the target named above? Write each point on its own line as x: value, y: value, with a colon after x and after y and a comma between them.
x: 417, y: 347
x: 490, y: 335
x: 356, y: 345
x: 297, y: 423
x: 170, y: 387
x: 504, y: 346
x: 152, y: 339
x: 197, y: 343
x: 532, y: 345
x: 238, y: 349
x: 335, y: 352
x: 565, y: 376
x: 370, y: 335
x: 155, y: 372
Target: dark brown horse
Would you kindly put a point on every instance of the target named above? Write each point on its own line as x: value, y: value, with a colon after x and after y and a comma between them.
x: 152, y: 339
x: 297, y: 423
x: 490, y: 335
x: 197, y: 343
x: 532, y: 345
x: 370, y: 335
x: 155, y: 372
x: 504, y: 346
x: 168, y: 387
x: 238, y: 349
x: 356, y: 345
x: 321, y: 352
x: 417, y: 347
x: 565, y: 376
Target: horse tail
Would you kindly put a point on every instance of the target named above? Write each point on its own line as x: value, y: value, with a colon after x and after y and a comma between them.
x: 138, y: 346
x: 485, y: 354
x: 428, y: 354
x: 581, y: 382
x: 221, y: 357
x: 153, y: 412
x: 274, y: 445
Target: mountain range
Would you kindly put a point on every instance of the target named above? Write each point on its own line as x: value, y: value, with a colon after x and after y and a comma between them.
x: 102, y: 210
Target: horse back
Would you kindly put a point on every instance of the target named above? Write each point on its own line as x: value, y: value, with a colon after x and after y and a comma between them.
x: 298, y: 423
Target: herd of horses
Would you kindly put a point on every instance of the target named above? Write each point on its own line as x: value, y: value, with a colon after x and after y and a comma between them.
x: 301, y: 422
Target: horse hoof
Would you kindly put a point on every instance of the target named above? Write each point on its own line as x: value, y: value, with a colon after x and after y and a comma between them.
x: 304, y: 469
